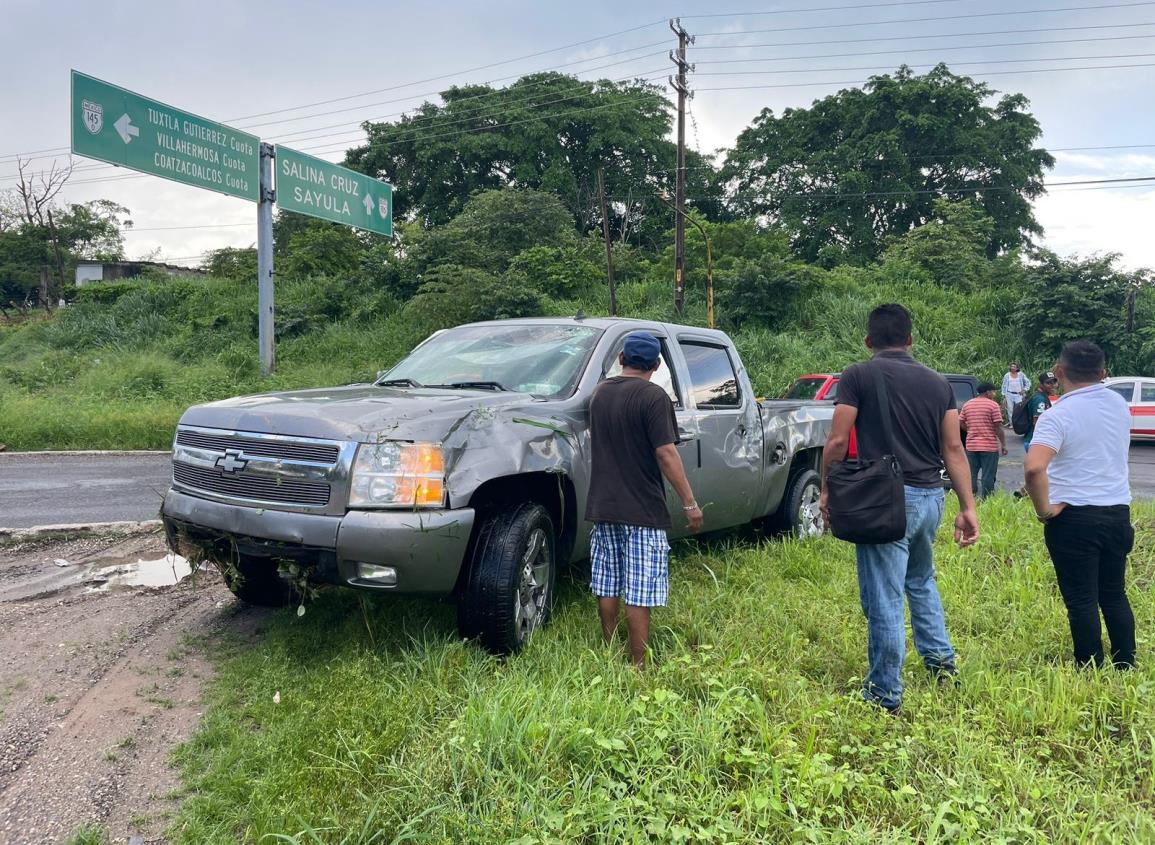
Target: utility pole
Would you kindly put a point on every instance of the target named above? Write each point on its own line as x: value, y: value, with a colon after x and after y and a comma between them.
x: 609, y: 247
x: 265, y: 336
x: 679, y: 85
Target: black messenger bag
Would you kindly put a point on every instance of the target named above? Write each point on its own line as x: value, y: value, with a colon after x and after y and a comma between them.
x: 867, y: 499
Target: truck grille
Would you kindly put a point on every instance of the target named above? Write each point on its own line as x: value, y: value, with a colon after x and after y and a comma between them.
x: 315, y: 452
x: 259, y: 488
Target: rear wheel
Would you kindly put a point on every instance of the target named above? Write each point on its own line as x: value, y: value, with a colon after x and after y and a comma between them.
x: 510, y: 587
x: 256, y: 580
x: 800, y: 509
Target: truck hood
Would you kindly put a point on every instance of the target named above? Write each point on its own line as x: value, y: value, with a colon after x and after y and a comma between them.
x: 360, y: 413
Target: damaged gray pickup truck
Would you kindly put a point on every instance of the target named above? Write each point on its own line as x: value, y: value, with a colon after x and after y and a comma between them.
x: 463, y: 470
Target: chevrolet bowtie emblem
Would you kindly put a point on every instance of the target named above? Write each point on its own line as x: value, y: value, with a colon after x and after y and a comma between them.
x: 231, y: 462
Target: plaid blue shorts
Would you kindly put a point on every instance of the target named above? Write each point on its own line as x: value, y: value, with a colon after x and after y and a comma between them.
x: 631, y: 562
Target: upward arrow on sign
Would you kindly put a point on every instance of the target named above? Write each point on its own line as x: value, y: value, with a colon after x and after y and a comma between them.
x: 368, y: 203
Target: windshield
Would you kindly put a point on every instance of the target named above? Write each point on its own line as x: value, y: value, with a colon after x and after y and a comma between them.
x: 539, y: 359
x: 805, y: 388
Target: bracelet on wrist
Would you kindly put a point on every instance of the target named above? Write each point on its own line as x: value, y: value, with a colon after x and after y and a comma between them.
x: 693, y: 506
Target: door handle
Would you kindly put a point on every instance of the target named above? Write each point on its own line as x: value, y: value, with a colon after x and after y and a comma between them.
x: 685, y: 436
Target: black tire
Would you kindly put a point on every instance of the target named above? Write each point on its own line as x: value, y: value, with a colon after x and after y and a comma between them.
x: 256, y: 581
x: 513, y: 573
x: 799, y: 514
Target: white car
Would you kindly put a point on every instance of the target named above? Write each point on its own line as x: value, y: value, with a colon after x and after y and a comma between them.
x: 1140, y: 395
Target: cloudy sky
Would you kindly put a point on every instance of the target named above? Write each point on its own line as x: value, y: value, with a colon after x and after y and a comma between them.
x: 308, y: 73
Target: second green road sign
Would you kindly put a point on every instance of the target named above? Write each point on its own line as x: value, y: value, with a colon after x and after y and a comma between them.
x: 313, y: 186
x: 117, y: 126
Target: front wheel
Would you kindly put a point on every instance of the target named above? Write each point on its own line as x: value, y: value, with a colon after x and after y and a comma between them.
x: 510, y: 587
x: 800, y: 507
x: 256, y: 580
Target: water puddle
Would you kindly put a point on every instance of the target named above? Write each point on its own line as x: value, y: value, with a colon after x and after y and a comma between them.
x: 100, y: 575
x: 166, y: 571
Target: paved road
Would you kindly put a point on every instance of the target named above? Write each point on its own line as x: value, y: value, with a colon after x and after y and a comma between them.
x: 47, y: 489
x: 52, y: 489
x: 1142, y: 467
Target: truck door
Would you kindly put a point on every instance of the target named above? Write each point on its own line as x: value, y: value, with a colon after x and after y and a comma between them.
x: 730, y: 435
x: 666, y: 377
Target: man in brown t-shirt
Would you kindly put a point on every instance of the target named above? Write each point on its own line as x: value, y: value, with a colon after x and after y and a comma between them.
x: 633, y: 433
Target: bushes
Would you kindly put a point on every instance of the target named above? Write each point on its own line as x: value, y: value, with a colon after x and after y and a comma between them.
x: 103, y: 293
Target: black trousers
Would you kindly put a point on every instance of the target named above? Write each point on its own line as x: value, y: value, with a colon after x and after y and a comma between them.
x: 1089, y: 548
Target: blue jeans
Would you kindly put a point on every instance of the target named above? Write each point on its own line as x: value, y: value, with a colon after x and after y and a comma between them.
x: 885, y: 573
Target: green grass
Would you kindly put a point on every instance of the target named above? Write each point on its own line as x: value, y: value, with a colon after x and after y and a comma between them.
x: 748, y: 728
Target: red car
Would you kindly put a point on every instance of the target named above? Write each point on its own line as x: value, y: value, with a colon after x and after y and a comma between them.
x: 824, y: 386
x: 818, y: 386
x: 821, y: 386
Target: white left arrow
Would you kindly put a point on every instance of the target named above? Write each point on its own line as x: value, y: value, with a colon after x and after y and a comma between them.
x: 125, y: 128
x: 368, y: 202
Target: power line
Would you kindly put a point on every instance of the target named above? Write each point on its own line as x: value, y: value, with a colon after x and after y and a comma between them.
x: 458, y: 73
x: 133, y: 229
x: 867, y: 81
x: 885, y: 38
x: 953, y: 64
x: 934, y: 19
x: 927, y: 49
x: 817, y: 9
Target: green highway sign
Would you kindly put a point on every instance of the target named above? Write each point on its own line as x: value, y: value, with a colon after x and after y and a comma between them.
x: 117, y: 126
x: 313, y: 186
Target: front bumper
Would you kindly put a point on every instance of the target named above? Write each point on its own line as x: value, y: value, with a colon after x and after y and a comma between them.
x: 426, y: 548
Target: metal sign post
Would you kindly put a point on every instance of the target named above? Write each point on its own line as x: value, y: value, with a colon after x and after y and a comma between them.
x: 265, y: 261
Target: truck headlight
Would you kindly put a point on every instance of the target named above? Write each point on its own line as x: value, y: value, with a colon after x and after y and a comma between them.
x: 398, y: 475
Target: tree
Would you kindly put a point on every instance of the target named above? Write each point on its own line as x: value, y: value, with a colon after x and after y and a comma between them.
x: 764, y: 290
x: 561, y: 272
x: 952, y: 248
x: 40, y: 241
x: 865, y: 165
x: 94, y: 230
x: 1084, y: 298
x: 493, y: 228
x: 322, y: 249
x: 451, y: 295
x: 547, y: 131
x: 229, y: 262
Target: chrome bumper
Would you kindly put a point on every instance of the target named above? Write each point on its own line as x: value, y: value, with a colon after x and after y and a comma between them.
x: 426, y: 548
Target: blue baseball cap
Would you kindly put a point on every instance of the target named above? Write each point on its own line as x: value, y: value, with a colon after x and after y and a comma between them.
x: 642, y: 350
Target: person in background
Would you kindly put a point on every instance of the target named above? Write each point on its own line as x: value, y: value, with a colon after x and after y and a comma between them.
x: 1077, y: 475
x: 926, y: 434
x: 1039, y: 402
x: 982, y: 420
x: 1016, y: 385
x: 633, y: 432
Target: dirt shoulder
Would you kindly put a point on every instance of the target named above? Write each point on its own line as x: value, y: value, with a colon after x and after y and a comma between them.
x: 102, y: 676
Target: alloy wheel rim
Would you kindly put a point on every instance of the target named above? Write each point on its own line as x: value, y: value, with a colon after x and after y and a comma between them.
x: 810, y: 521
x: 533, y: 585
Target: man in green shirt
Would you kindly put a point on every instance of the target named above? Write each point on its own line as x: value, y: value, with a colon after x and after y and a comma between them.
x: 1040, y: 400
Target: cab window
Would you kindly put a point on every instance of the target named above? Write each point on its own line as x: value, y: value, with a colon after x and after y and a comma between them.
x: 1147, y: 393
x: 713, y: 380
x: 663, y: 377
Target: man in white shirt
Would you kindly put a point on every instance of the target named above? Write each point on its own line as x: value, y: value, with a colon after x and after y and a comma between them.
x: 1016, y: 386
x: 1077, y: 477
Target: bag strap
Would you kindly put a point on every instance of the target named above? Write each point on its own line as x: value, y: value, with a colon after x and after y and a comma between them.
x: 883, y: 406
